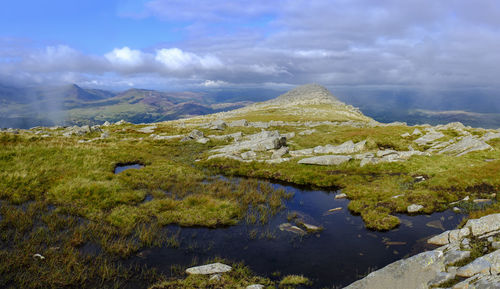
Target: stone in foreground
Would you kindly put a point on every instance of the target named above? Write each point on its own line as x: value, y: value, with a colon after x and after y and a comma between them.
x: 414, y: 208
x: 214, y: 268
x: 330, y: 160
x: 412, y: 273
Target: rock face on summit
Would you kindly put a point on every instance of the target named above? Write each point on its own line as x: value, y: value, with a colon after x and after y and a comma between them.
x: 308, y: 93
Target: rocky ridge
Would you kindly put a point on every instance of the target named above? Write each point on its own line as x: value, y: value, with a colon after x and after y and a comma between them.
x: 453, y: 264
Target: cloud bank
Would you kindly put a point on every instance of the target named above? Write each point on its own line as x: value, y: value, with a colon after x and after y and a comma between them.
x: 359, y: 43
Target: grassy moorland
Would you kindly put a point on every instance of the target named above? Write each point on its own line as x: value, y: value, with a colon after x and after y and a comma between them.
x: 58, y: 196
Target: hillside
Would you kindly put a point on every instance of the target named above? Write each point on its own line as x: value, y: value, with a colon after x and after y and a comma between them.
x: 63, y: 197
x: 71, y: 104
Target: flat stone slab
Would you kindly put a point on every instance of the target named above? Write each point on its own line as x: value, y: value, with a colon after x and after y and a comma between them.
x: 484, y: 224
x: 214, y: 268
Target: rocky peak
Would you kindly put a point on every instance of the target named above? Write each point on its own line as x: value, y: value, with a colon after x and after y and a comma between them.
x: 307, y: 93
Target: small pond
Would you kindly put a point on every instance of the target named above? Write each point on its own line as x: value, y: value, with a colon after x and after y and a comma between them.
x: 340, y: 254
x: 123, y: 167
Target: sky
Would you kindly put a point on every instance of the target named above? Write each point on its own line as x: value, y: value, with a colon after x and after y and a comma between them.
x: 187, y: 44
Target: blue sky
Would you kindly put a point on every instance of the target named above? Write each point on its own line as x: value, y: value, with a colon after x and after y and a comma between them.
x: 175, y: 44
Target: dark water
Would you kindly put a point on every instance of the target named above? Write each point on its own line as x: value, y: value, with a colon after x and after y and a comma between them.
x: 121, y: 168
x: 342, y: 253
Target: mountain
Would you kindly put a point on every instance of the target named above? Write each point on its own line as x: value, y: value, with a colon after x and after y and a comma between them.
x: 24, y: 107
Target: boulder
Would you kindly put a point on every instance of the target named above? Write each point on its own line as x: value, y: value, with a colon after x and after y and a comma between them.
x: 490, y: 135
x: 307, y: 132
x: 429, y: 137
x: 413, y: 208
x: 240, y: 122
x: 263, y: 141
x: 106, y: 123
x: 291, y: 228
x: 209, y: 269
x: 484, y: 224
x: 411, y: 273
x: 218, y: 125
x: 440, y: 240
x: 340, y: 196
x: 416, y: 132
x: 280, y: 153
x: 121, y: 122
x: 466, y: 145
x: 299, y: 153
x: 347, y: 147
x: 327, y: 160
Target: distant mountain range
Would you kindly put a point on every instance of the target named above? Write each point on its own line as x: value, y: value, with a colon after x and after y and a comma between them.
x: 28, y: 106
x: 25, y: 107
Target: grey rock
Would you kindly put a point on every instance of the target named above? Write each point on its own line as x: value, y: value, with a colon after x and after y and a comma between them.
x: 484, y: 224
x: 416, y: 132
x: 414, y: 208
x: 441, y: 278
x: 209, y: 269
x: 196, y: 134
x: 429, y: 137
x: 454, y: 256
x: 304, y: 152
x: 340, y: 196
x: 458, y: 234
x: 106, y: 123
x: 412, y: 273
x: 240, y: 122
x: 347, y: 147
x: 249, y: 155
x: 466, y: 145
x: 121, y: 122
x: 385, y: 153
x: 405, y: 135
x: 280, y: 153
x: 291, y: 228
x: 441, y: 239
x: 255, y: 286
x: 479, y: 265
x: 307, y: 132
x: 215, y: 278
x: 203, y: 140
x: 263, y: 141
x: 495, y: 244
x: 147, y: 129
x: 327, y: 160
x: 218, y: 125
x: 490, y: 135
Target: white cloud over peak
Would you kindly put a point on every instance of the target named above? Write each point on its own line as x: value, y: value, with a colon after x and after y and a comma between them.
x: 125, y: 56
x: 176, y: 59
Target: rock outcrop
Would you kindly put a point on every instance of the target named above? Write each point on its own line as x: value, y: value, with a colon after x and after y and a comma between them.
x: 434, y: 268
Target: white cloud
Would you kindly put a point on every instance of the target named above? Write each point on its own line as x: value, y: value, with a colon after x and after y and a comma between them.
x: 125, y: 56
x: 214, y: 83
x: 176, y: 59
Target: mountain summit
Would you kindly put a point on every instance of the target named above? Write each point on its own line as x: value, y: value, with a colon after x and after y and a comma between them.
x: 307, y: 93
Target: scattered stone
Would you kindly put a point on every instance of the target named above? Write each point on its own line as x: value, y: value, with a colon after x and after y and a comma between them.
x: 38, y: 256
x: 255, y: 286
x: 291, y: 228
x: 481, y: 201
x: 457, y: 210
x: 490, y: 135
x: 299, y: 153
x: 263, y: 141
x: 106, y: 123
x: 241, y: 122
x: 340, y: 196
x: 215, y: 278
x: 416, y: 132
x: 209, y: 269
x: 311, y: 228
x: 419, y: 179
x: 203, y: 140
x: 335, y: 209
x: 414, y: 208
x: 495, y: 245
x: 307, y: 132
x: 218, y: 125
x: 429, y: 137
x: 280, y: 153
x: 147, y: 129
x: 121, y: 122
x: 249, y: 155
x: 405, y: 135
x: 327, y: 160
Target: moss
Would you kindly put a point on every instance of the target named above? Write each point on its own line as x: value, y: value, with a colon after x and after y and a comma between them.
x: 291, y: 281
